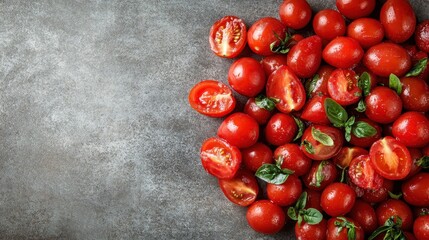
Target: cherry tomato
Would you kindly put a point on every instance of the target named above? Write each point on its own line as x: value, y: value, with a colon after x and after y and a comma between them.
x: 264, y: 32
x: 366, y: 141
x: 415, y: 154
x: 313, y: 199
x: 284, y: 85
x: 339, y: 228
x: 337, y: 199
x: 228, y: 37
x: 212, y: 98
x: 319, y: 150
x: 321, y: 174
x: 273, y: 62
x: 247, y: 77
x: 261, y: 115
x: 219, y: 158
x: 293, y: 158
x: 319, y: 85
x: 305, y: 57
x: 398, y: 19
x: 287, y: 193
x: 386, y: 58
x: 354, y: 9
x: 390, y: 158
x: 256, y: 155
x: 343, y: 87
x: 362, y: 173
x: 364, y: 214
x: 383, y: 105
x: 343, y: 52
x: 379, y: 195
x: 308, y: 231
x: 416, y: 190
x: 394, y: 207
x: 329, y: 24
x: 280, y: 129
x: 421, y: 36
x: 314, y: 110
x: 415, y: 94
x: 367, y: 31
x: 239, y: 129
x: 295, y: 14
x: 412, y: 129
x: 265, y: 217
x: 346, y: 155
x: 421, y: 227
x: 242, y: 189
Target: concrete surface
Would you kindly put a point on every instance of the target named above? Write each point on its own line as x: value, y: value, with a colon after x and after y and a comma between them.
x: 97, y: 140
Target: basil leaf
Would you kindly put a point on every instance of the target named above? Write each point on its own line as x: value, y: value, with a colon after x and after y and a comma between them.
x: 364, y: 83
x: 322, y: 137
x: 418, y: 68
x: 351, y: 234
x: 319, y: 176
x: 395, y: 83
x: 378, y: 231
x: 279, y: 161
x: 301, y: 128
x: 336, y: 114
x: 394, y: 196
x: 272, y: 174
x: 302, y: 201
x: 348, y: 128
x: 362, y: 129
x: 423, y: 162
x: 283, y: 46
x: 310, y: 85
x: 308, y: 147
x: 361, y: 107
x: 266, y: 102
x: 291, y: 212
x: 312, y: 216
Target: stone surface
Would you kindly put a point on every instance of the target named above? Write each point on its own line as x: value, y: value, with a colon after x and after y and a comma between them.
x: 97, y: 140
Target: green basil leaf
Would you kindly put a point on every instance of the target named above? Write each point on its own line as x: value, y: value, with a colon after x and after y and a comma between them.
x: 395, y: 83
x: 310, y: 85
x: 379, y: 231
x: 308, y: 147
x: 319, y: 176
x: 272, y: 174
x: 364, y: 83
x: 361, y: 107
x: 299, y: 219
x: 418, y: 68
x: 336, y: 114
x: 302, y: 201
x: 348, y: 128
x: 394, y: 196
x: 283, y: 46
x: 266, y: 102
x: 291, y: 212
x: 351, y: 233
x: 343, y: 175
x: 301, y: 128
x: 312, y: 216
x: 322, y: 137
x: 279, y: 161
x: 423, y: 162
x: 362, y: 129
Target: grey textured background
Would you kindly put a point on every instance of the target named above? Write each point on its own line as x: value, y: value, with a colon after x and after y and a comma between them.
x: 97, y: 140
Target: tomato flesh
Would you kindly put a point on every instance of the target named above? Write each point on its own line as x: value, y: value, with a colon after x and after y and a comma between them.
x: 228, y: 37
x: 242, y: 189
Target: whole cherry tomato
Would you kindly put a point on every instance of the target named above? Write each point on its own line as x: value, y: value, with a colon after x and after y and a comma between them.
x: 412, y: 129
x: 367, y: 31
x: 369, y: 140
x: 287, y: 193
x: 242, y: 189
x: 295, y: 14
x: 265, y: 217
x: 386, y: 58
x: 263, y: 33
x: 320, y: 142
x: 343, y: 86
x: 256, y: 155
x: 354, y: 9
x: 415, y: 94
x: 421, y: 227
x: 379, y: 195
x: 247, y: 77
x: 416, y: 190
x: 421, y: 36
x: 314, y: 110
x: 239, y: 129
x: 337, y: 199
x: 329, y: 24
x: 398, y: 19
x: 383, y: 105
x: 273, y: 62
x: 293, y: 158
x: 343, y: 52
x: 344, y: 228
x: 394, y: 207
x: 261, y: 115
x: 320, y: 175
x: 280, y: 129
x: 364, y: 214
x: 311, y: 231
x: 228, y: 37
x: 305, y: 57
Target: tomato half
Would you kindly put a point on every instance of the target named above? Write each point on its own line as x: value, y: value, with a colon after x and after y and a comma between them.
x: 228, y: 37
x: 242, y: 189
x: 212, y: 98
x: 390, y: 158
x: 343, y: 87
x: 362, y: 173
x: 219, y: 158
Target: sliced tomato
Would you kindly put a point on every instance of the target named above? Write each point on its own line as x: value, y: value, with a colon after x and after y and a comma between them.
x: 212, y: 98
x: 343, y: 87
x: 390, y: 158
x: 362, y: 173
x: 285, y: 86
x: 346, y: 155
x: 242, y: 189
x: 228, y: 37
x: 219, y: 158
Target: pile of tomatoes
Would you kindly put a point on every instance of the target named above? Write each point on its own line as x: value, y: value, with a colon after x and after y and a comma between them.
x: 334, y: 136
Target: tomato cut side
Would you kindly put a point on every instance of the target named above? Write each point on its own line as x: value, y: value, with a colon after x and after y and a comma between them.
x: 343, y: 87
x: 228, y: 37
x: 242, y: 189
x: 362, y: 173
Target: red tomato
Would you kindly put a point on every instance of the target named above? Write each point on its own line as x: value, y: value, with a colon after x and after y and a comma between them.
x: 367, y: 31
x: 305, y: 57
x: 415, y: 94
x: 412, y: 129
x: 313, y: 199
x: 421, y: 227
x: 337, y: 229
x: 383, y: 105
x: 390, y: 158
x: 343, y: 52
x: 398, y: 19
x: 416, y: 190
x: 264, y: 32
x: 329, y: 24
x: 284, y: 85
x: 287, y: 193
x: 364, y: 214
x: 394, y: 207
x: 343, y: 87
x: 261, y: 115
x: 295, y: 14
x: 228, y: 37
x: 242, y: 189
x: 317, y: 150
x: 379, y: 195
x: 293, y: 158
x: 265, y: 217
x: 321, y: 174
x: 247, y: 77
x: 239, y: 129
x: 314, y: 110
x: 280, y: 129
x: 346, y: 155
x: 421, y: 36
x: 415, y: 154
x: 272, y: 63
x: 212, y: 98
x: 362, y: 173
x: 337, y: 199
x: 305, y: 231
x: 386, y: 58
x: 320, y: 85
x: 256, y: 155
x: 219, y: 158
x: 366, y: 141
x: 354, y: 9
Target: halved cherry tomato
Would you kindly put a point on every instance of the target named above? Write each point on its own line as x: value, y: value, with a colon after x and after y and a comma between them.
x: 343, y: 87
x: 343, y: 52
x: 346, y: 155
x: 239, y: 129
x: 219, y: 158
x: 228, y: 37
x: 263, y: 33
x: 354, y: 9
x: 390, y: 158
x: 362, y: 173
x: 212, y: 98
x: 314, y: 146
x: 398, y: 19
x: 242, y: 189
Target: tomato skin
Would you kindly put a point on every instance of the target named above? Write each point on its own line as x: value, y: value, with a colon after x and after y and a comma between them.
x: 247, y: 77
x: 314, y: 110
x: 386, y: 58
x: 284, y: 85
x: 287, y: 193
x: 412, y: 129
x: 280, y: 129
x: 367, y: 31
x: 256, y: 155
x: 337, y: 199
x: 321, y: 85
x: 295, y: 14
x: 398, y: 19
x: 393, y: 207
x: 305, y: 57
x: 203, y: 98
x: 239, y: 129
x: 329, y: 173
x: 261, y: 115
x: 307, y: 231
x: 228, y: 37
x: 265, y: 217
x: 364, y: 214
x: 366, y: 141
x: 415, y: 154
x: 343, y: 52
x: 322, y: 152
x: 346, y: 155
x: 335, y: 233
x: 379, y: 195
x: 242, y: 189
x: 421, y: 227
x: 329, y: 24
x: 219, y: 158
x: 421, y: 36
x: 261, y: 35
x: 293, y: 158
x: 416, y: 190
x: 415, y: 94
x: 313, y: 199
x: 383, y: 105
x: 343, y: 87
x: 362, y: 173
x: 355, y: 8
x: 272, y: 63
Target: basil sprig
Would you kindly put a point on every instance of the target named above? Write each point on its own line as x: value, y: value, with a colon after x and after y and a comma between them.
x: 392, y: 228
x: 395, y: 83
x: 342, y: 223
x: 364, y: 84
x: 301, y: 128
x: 319, y: 176
x: 423, y: 162
x: 299, y: 213
x: 274, y: 173
x: 362, y: 129
x: 284, y: 46
x: 418, y: 68
x: 311, y: 84
x: 266, y: 103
